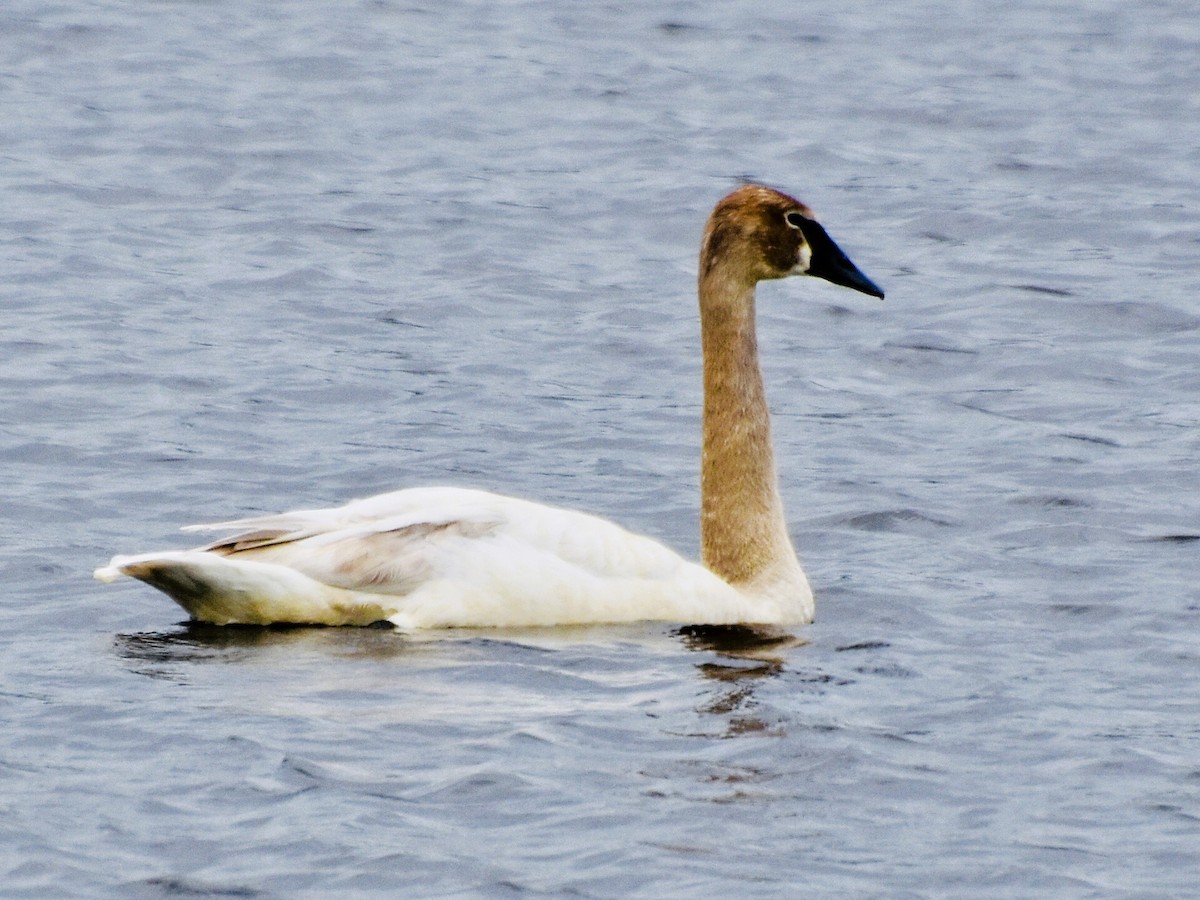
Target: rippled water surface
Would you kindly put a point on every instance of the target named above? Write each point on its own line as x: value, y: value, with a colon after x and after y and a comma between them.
x: 259, y: 256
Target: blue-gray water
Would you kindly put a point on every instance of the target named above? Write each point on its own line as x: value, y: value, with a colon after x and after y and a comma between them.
x: 259, y: 256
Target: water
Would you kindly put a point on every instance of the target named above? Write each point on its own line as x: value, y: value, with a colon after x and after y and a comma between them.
x: 260, y: 256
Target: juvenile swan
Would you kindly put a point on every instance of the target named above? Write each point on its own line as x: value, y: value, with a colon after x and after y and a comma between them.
x: 439, y: 557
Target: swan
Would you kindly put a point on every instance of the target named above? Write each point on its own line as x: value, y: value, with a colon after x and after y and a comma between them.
x: 445, y: 557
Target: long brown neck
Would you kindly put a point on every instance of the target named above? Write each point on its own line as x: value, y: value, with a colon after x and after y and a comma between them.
x: 742, y: 528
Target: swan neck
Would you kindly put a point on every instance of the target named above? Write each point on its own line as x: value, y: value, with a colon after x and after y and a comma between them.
x: 743, y: 531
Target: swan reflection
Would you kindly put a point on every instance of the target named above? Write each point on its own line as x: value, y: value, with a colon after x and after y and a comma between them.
x: 160, y: 654
x: 733, y: 660
x: 749, y: 656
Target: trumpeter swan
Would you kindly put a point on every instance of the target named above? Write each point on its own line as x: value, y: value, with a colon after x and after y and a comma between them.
x: 447, y: 557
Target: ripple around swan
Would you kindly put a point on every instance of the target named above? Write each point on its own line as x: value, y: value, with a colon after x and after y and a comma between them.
x: 895, y: 520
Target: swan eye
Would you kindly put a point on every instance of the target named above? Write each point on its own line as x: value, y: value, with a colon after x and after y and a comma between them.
x: 794, y: 220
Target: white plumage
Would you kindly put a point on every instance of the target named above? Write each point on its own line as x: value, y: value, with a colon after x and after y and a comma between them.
x: 435, y: 557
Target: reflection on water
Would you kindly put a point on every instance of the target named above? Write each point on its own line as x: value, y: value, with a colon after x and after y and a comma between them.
x: 750, y: 655
x: 741, y: 641
x: 163, y: 654
x: 735, y: 661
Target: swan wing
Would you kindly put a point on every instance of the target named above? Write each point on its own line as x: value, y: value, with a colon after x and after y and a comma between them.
x: 436, y: 557
x: 383, y: 543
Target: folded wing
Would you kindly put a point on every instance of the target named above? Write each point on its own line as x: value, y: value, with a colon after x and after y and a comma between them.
x: 428, y: 557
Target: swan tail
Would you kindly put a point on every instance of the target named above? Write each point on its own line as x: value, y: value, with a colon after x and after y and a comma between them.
x: 224, y: 591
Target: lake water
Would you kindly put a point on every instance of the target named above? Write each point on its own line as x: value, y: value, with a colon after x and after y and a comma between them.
x: 260, y: 256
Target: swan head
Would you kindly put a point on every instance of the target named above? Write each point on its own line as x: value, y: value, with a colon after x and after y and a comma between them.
x: 758, y: 233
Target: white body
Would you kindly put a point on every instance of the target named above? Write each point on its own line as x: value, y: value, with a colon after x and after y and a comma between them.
x: 446, y: 557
